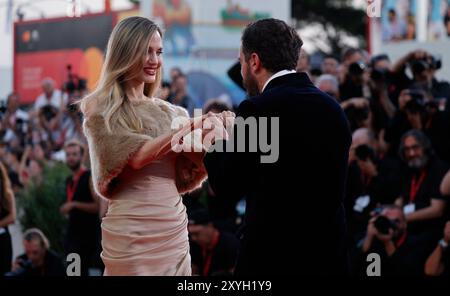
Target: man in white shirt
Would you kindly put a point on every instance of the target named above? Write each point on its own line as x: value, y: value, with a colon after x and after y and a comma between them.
x: 50, y: 96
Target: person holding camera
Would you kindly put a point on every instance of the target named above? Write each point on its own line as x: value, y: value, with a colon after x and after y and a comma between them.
x: 421, y: 199
x: 71, y: 122
x: 388, y: 236
x: 417, y: 110
x: 373, y: 180
x: 423, y: 67
x: 14, y: 121
x: 38, y: 259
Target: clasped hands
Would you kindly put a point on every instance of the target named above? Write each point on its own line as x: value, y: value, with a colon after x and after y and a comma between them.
x: 213, y: 126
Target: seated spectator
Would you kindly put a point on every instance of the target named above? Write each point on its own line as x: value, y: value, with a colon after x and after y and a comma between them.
x: 421, y: 198
x: 438, y: 264
x: 39, y: 259
x: 213, y: 252
x: 387, y: 235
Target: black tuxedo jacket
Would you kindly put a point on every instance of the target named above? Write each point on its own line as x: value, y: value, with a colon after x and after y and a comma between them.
x: 294, y: 220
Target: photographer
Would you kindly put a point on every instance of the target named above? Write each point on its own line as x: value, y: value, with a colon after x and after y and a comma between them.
x: 355, y: 83
x: 419, y: 111
x: 14, y: 120
x: 71, y: 122
x: 423, y: 67
x: 358, y: 113
x: 373, y: 180
x: 38, y: 259
x: 383, y: 91
x: 388, y: 236
x: 49, y: 124
x: 421, y: 199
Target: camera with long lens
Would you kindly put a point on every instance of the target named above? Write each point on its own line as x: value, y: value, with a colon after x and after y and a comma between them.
x: 417, y: 102
x: 383, y: 225
x: 357, y: 115
x: 356, y: 68
x: 380, y: 75
x: 430, y: 62
x: 25, y: 266
x: 364, y: 152
x: 49, y: 112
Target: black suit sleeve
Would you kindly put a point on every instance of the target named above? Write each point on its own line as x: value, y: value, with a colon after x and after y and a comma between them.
x: 230, y: 172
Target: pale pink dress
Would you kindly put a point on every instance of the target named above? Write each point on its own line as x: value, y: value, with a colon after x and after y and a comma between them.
x: 145, y: 229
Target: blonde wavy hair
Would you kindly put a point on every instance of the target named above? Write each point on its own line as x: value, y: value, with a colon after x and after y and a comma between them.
x: 125, y: 56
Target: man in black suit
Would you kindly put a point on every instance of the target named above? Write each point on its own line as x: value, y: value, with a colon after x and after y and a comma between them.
x: 294, y: 220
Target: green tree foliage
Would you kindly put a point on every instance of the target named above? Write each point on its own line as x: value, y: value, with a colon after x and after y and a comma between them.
x: 337, y: 18
x: 39, y: 204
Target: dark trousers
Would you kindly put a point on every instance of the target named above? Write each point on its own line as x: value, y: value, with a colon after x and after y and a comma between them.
x: 5, y: 252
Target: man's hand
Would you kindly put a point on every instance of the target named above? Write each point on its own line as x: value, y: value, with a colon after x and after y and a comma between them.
x: 358, y: 103
x: 403, y: 99
x: 67, y: 207
x: 447, y: 232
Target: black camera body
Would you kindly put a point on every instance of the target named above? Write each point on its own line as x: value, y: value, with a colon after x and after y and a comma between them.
x: 417, y: 102
x: 25, y: 267
x: 364, y: 152
x: 356, y: 68
x: 381, y: 75
x: 49, y: 112
x: 383, y: 224
x: 418, y: 66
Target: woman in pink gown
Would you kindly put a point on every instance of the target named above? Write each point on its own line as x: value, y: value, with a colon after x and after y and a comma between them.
x: 133, y: 164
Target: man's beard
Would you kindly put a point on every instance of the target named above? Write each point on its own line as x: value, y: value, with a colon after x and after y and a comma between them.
x: 418, y: 163
x: 74, y: 167
x: 251, y: 85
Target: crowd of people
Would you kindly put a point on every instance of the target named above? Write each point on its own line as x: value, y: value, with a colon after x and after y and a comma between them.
x: 397, y: 186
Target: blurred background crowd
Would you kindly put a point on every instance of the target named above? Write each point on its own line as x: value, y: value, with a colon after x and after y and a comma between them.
x: 397, y: 190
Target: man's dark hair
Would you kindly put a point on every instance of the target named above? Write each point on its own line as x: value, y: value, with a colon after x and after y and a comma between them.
x: 421, y: 139
x: 348, y: 52
x: 276, y: 44
x: 331, y: 56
